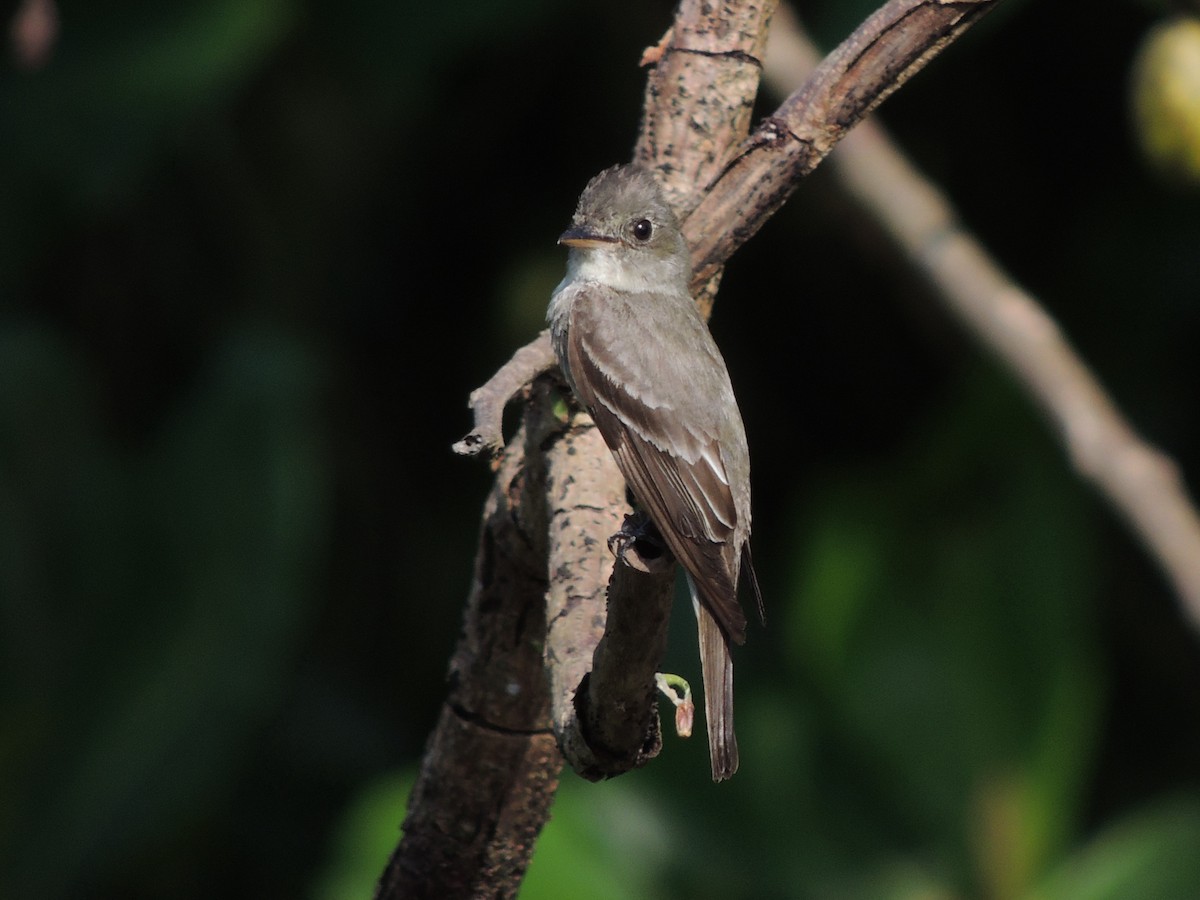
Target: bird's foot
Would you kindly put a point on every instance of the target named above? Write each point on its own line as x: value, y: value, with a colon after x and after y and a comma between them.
x: 639, y: 545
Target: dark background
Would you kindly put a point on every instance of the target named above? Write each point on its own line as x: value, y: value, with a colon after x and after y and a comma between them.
x: 254, y: 257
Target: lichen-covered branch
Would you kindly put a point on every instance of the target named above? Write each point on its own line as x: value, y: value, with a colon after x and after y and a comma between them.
x: 700, y: 90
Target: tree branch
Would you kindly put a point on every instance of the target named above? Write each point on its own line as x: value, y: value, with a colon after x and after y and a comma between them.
x: 699, y: 97
x: 606, y: 722
x: 700, y: 50
x: 1136, y: 479
x: 612, y: 725
x: 488, y: 402
x: 488, y: 773
x: 884, y: 52
x: 491, y: 767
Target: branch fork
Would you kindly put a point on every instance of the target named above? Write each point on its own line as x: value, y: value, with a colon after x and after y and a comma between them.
x: 558, y: 497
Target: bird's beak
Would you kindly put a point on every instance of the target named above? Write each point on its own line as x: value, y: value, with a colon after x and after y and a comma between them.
x: 582, y: 236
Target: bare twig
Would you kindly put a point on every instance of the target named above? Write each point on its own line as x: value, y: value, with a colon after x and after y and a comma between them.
x: 884, y: 52
x: 488, y: 402
x: 1141, y: 484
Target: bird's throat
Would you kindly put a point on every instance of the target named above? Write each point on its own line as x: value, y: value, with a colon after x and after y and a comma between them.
x: 619, y: 268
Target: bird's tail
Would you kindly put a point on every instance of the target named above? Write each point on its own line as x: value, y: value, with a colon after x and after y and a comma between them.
x: 716, y: 665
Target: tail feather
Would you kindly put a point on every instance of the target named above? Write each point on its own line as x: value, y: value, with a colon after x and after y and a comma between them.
x: 716, y: 665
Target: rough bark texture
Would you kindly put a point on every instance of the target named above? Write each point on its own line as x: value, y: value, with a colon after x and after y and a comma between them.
x: 612, y: 725
x: 491, y: 766
x: 884, y: 52
x: 490, y: 769
x: 618, y: 728
x: 699, y: 96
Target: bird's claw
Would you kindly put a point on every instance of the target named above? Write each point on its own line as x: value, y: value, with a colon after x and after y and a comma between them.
x: 639, y: 545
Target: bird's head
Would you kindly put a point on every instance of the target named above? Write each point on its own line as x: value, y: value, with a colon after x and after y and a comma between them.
x: 624, y: 234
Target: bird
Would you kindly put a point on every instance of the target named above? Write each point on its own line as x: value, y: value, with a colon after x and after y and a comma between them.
x: 638, y: 356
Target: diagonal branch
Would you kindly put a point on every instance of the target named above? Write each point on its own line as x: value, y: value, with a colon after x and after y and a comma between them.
x: 479, y: 801
x: 1136, y: 479
x: 884, y: 52
x: 699, y: 97
x: 682, y: 136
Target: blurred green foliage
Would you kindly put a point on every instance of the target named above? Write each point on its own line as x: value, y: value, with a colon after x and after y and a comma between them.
x: 253, y: 257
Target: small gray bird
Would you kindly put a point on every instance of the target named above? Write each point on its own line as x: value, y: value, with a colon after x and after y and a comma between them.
x: 641, y: 360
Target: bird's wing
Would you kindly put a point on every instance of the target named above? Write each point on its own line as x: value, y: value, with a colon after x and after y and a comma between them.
x: 674, y: 468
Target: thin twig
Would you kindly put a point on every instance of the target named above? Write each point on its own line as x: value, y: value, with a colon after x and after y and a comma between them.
x: 885, y: 51
x: 1136, y: 479
x: 488, y: 402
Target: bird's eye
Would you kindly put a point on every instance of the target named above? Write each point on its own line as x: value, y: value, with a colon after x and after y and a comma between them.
x: 642, y: 229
